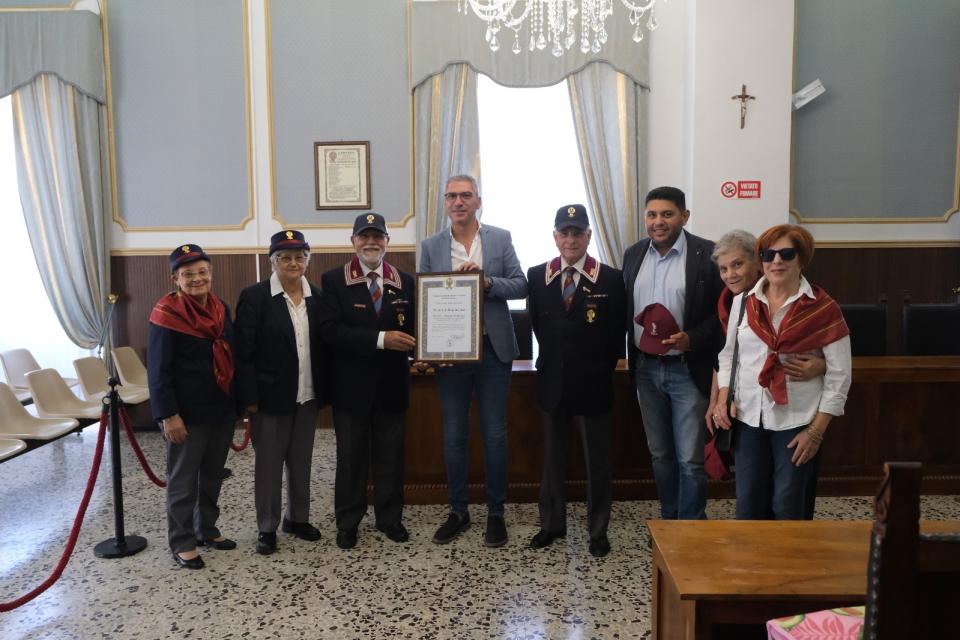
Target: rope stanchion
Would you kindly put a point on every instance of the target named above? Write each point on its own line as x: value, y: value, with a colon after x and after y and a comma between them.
x: 246, y: 437
x: 74, y: 531
x: 119, y: 546
x: 132, y: 439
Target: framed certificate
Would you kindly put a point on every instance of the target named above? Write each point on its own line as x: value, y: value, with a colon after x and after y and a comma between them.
x: 342, y: 175
x: 450, y: 316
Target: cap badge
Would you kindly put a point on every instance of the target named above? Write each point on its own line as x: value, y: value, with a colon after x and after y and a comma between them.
x: 185, y: 248
x: 653, y: 329
x: 591, y: 315
x: 370, y: 218
x: 289, y: 235
x: 571, y: 212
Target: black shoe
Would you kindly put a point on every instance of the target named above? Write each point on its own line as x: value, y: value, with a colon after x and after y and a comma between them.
x: 545, y: 538
x: 266, y: 543
x: 496, y: 532
x: 346, y: 538
x: 450, y: 529
x: 223, y: 545
x: 599, y: 546
x: 226, y: 473
x: 192, y: 563
x: 303, y: 530
x: 396, y: 532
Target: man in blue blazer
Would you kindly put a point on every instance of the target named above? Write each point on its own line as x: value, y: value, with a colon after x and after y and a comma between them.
x: 466, y: 245
x: 672, y: 287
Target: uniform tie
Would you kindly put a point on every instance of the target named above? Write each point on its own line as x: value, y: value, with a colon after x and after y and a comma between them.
x: 569, y: 288
x: 375, y: 292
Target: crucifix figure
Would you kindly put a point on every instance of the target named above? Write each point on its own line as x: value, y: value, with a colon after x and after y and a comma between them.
x: 743, y: 97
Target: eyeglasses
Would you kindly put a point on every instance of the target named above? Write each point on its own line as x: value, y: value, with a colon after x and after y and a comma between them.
x: 463, y: 195
x: 190, y: 275
x: 786, y: 254
x: 292, y: 259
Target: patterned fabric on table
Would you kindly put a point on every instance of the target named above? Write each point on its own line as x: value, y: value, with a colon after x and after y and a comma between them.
x: 845, y: 623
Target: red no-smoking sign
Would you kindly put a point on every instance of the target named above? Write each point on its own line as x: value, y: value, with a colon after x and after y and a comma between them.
x: 741, y: 189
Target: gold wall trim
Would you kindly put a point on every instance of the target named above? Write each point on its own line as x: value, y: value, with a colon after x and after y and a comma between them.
x: 114, y: 189
x: 275, y: 213
x: 154, y: 251
x: 58, y: 7
x: 872, y: 220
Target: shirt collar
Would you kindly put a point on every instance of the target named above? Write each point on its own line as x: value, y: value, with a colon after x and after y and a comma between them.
x: 679, y: 246
x: 366, y: 270
x: 759, y: 290
x: 277, y: 288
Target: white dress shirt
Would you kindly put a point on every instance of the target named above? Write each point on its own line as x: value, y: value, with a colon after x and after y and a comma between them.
x: 578, y: 266
x: 826, y: 393
x: 301, y: 333
x: 379, y: 272
x: 459, y: 254
x: 662, y: 279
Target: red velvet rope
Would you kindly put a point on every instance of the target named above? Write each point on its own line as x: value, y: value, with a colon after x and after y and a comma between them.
x: 246, y: 437
x: 74, y: 532
x: 132, y: 439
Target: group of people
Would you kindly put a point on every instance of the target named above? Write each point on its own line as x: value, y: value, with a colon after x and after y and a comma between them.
x: 726, y: 336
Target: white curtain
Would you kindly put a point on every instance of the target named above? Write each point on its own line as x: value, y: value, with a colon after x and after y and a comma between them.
x: 446, y: 141
x: 609, y: 111
x: 61, y: 141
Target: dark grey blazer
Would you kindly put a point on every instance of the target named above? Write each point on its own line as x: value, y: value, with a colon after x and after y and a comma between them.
x: 501, y: 265
x: 703, y: 288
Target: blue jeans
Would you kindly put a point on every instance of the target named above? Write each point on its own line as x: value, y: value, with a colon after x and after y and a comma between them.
x: 490, y: 380
x: 769, y: 485
x: 672, y: 408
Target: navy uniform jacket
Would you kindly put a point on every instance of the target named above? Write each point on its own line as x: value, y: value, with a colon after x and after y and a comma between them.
x: 266, y: 356
x: 700, y: 321
x: 361, y: 374
x: 579, y: 348
x: 180, y: 375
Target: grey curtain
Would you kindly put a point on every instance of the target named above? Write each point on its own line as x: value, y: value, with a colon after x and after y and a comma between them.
x: 446, y: 141
x: 61, y: 140
x: 609, y: 111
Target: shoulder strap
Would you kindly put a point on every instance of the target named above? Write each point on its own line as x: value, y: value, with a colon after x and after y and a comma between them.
x: 736, y: 353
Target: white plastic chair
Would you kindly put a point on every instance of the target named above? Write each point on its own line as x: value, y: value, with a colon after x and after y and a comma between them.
x: 93, y: 376
x: 17, y: 363
x: 129, y: 367
x: 11, y: 447
x: 53, y: 397
x: 16, y: 422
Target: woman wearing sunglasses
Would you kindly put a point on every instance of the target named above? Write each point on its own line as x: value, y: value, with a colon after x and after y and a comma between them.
x: 779, y: 423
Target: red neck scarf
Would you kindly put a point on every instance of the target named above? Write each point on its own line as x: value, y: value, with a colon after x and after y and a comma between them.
x: 724, y: 303
x: 809, y: 324
x: 179, y: 312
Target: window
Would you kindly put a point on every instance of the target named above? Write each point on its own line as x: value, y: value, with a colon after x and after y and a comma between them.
x: 28, y: 321
x: 530, y: 165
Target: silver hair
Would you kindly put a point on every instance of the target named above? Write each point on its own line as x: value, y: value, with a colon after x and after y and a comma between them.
x: 276, y: 256
x: 736, y: 240
x: 463, y: 177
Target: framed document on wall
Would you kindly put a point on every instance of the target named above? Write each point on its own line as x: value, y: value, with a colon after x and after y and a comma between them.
x: 342, y: 175
x: 450, y: 316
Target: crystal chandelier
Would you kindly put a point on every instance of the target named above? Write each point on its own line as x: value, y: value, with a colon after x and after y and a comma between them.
x: 555, y: 22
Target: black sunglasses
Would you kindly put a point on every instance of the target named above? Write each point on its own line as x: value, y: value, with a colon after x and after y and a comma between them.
x: 787, y: 254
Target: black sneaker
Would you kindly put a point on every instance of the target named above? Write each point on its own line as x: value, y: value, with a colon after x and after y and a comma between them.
x: 496, y: 532
x: 450, y: 529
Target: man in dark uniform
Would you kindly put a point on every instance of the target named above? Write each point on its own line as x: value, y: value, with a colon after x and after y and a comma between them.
x: 576, y: 307
x: 367, y: 318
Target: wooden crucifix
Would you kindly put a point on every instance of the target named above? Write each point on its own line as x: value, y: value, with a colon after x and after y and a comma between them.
x: 743, y: 97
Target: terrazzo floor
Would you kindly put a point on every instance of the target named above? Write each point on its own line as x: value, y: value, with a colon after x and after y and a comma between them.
x: 315, y: 590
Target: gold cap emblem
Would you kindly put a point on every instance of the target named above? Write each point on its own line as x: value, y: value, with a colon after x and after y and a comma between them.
x: 572, y: 211
x: 370, y: 218
x: 185, y: 248
x: 289, y: 235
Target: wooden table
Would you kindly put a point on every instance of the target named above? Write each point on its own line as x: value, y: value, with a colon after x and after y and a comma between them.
x: 715, y: 572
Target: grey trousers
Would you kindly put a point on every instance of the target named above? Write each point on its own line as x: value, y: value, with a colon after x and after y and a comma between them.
x: 194, y: 476
x: 363, y: 438
x: 595, y: 433
x: 283, y: 442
